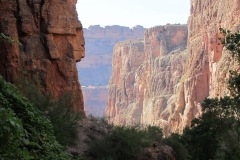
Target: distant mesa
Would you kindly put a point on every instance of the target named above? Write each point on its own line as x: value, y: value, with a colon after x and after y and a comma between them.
x: 115, y: 31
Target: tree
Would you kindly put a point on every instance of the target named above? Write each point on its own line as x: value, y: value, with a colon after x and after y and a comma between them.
x: 63, y: 117
x: 125, y: 143
x: 216, y: 134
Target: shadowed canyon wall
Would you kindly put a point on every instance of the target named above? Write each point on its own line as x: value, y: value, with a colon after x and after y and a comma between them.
x: 168, y: 87
x: 52, y: 42
x: 95, y: 69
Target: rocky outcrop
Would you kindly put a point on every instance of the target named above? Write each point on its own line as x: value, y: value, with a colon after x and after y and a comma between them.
x: 124, y: 96
x: 145, y: 76
x: 170, y: 88
x: 52, y: 42
x: 95, y: 69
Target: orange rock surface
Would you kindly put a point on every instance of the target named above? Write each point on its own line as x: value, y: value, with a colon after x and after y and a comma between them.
x: 167, y: 89
x: 145, y: 73
x: 52, y: 42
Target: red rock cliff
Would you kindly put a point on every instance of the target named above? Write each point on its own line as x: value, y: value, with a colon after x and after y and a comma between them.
x: 145, y: 75
x: 52, y: 40
x: 170, y: 89
x: 208, y: 65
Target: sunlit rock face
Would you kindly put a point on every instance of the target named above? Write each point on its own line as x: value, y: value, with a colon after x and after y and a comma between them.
x: 208, y: 64
x: 146, y: 74
x: 52, y: 42
x: 171, y: 83
x: 124, y: 96
x: 95, y: 69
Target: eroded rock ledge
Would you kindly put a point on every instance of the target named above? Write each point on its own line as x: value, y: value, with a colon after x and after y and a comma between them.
x: 52, y: 42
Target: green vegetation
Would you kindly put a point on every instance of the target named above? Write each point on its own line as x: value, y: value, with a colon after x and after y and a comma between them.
x: 216, y: 134
x: 25, y: 129
x: 5, y: 38
x: 64, y: 119
x: 24, y: 132
x: 176, y: 142
x: 125, y: 143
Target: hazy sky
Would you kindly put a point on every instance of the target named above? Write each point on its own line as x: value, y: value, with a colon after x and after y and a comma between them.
x: 147, y: 13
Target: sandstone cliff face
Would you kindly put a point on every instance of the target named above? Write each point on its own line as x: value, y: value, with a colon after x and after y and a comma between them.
x: 95, y: 68
x: 123, y: 103
x: 172, y: 90
x: 208, y: 64
x: 145, y: 75
x: 52, y: 42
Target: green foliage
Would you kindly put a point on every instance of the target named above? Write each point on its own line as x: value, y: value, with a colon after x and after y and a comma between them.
x: 216, y: 134
x: 11, y: 133
x: 102, y: 120
x: 5, y: 38
x: 25, y: 133
x: 231, y: 42
x: 125, y: 143
x: 201, y: 140
x: 64, y: 119
x: 176, y: 142
x: 154, y: 133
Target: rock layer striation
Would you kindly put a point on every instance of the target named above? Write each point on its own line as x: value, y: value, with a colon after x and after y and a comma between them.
x: 168, y: 87
x: 145, y: 75
x: 51, y: 38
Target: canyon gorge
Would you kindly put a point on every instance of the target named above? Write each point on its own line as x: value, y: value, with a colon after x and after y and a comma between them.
x: 163, y: 79
x: 159, y: 77
x: 122, y: 76
x: 95, y: 69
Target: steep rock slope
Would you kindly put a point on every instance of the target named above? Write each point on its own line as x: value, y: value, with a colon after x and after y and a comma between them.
x: 208, y: 65
x: 145, y: 75
x: 52, y: 42
x: 172, y: 101
x: 123, y: 99
x: 95, y: 69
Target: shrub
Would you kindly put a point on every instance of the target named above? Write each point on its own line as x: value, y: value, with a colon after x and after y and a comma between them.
x: 125, y: 143
x: 64, y: 119
x: 25, y: 133
x: 176, y: 143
